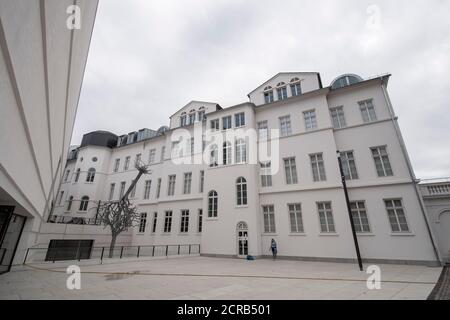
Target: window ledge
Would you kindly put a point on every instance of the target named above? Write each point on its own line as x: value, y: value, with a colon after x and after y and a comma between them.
x: 211, y: 219
x: 299, y: 234
x: 365, y: 234
x: 183, y: 234
x: 166, y: 233
x: 269, y: 234
x: 330, y: 234
x: 84, y: 212
x: 241, y: 207
x: 402, y: 234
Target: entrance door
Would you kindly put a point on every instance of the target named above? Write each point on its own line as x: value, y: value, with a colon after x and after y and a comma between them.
x: 242, y: 240
x: 11, y: 226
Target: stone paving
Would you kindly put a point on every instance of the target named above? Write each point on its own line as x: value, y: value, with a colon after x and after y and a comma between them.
x: 218, y: 278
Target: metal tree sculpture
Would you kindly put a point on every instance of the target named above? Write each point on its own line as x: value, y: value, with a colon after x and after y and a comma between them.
x: 121, y: 214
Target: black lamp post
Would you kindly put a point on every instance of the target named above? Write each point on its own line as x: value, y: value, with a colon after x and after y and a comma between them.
x: 347, y: 200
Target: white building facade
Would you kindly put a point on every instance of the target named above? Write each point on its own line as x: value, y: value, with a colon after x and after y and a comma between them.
x: 213, y: 182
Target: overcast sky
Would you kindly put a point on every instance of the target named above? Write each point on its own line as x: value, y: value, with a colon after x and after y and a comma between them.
x: 150, y: 58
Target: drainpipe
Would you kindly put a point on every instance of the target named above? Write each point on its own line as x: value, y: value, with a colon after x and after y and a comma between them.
x: 410, y: 169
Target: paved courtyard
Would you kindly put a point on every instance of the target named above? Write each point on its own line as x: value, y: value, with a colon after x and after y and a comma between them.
x: 218, y: 278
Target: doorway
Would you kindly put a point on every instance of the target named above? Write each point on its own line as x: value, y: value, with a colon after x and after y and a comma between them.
x: 242, y: 240
x: 11, y: 227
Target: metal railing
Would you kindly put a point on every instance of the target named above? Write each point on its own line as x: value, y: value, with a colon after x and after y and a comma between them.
x: 37, y: 255
x: 74, y: 220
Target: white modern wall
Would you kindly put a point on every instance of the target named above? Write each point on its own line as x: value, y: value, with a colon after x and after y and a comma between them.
x: 42, y: 64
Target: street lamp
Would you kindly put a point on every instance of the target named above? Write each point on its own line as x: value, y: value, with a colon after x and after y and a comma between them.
x: 352, y: 224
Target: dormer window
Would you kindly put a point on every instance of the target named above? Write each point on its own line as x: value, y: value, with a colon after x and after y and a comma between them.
x: 191, y: 116
x: 183, y: 119
x: 268, y: 94
x: 296, y: 89
x: 201, y: 114
x: 281, y: 91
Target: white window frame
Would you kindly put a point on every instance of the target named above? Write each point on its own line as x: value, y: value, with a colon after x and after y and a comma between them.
x: 168, y: 221
x: 318, y: 167
x: 142, y: 222
x: 227, y: 122
x: 184, y: 221
x: 241, y: 151
x: 368, y: 112
x: 263, y: 130
x: 290, y: 170
x: 285, y: 125
x: 213, y: 204
x: 359, y: 214
x: 384, y: 162
x: 269, y: 225
x: 116, y: 165
x: 265, y: 173
x: 147, y: 189
x: 327, y: 215
x: 338, y: 117
x: 239, y: 119
x: 187, y: 182
x: 403, y: 227
x: 151, y: 156
x: 171, y: 180
x: 349, y: 163
x: 310, y: 119
x: 112, y: 187
x: 241, y: 192
x: 295, y: 218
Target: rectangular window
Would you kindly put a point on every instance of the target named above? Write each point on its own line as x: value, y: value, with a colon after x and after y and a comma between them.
x: 66, y: 177
x: 310, y: 120
x: 290, y: 170
x: 133, y: 191
x: 200, y: 221
x: 282, y: 93
x: 359, y: 215
x: 263, y: 130
x: 325, y: 217
x: 214, y: 125
x: 151, y: 156
x: 184, y: 227
x: 268, y: 96
x: 163, y: 153
x: 285, y: 126
x: 266, y: 175
x: 269, y: 219
x: 226, y: 123
x: 142, y: 222
x: 349, y: 165
x: 138, y: 158
x: 295, y: 217
x: 396, y: 215
x: 187, y: 183
x: 367, y: 111
x: 122, y: 189
x: 155, y: 221
x: 296, y: 89
x: 202, y: 180
x: 61, y: 197
x: 239, y: 119
x: 382, y: 163
x: 148, y: 184
x: 158, y: 188
x: 337, y: 117
x: 191, y: 144
x: 111, y: 191
x: 318, y: 167
x: 116, y: 165
x: 126, y: 164
x: 171, y: 185
x: 168, y: 222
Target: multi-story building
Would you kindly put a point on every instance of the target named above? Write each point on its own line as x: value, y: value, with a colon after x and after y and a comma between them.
x: 43, y: 55
x: 211, y: 181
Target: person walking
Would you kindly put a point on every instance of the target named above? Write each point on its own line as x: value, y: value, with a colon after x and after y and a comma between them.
x: 273, y: 247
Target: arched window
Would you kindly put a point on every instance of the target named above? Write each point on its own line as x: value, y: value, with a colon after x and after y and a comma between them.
x: 281, y: 91
x: 241, y: 191
x: 226, y: 153
x: 183, y: 119
x: 268, y: 94
x: 90, y: 175
x: 191, y: 116
x: 69, y: 203
x: 214, y: 156
x: 77, y: 175
x: 241, y: 151
x: 201, y: 114
x: 84, y: 203
x: 212, y: 204
x: 296, y: 89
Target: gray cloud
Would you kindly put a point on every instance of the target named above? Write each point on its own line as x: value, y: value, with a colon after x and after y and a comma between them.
x: 149, y: 58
